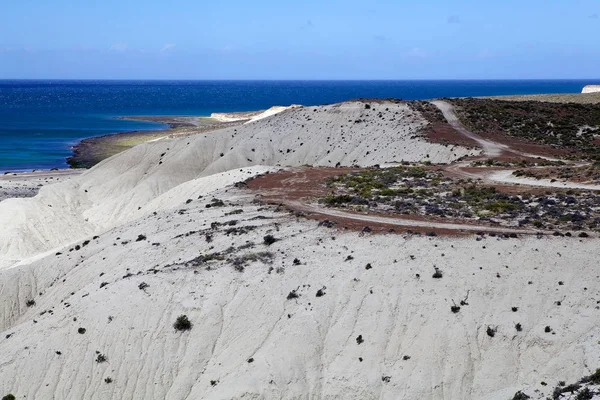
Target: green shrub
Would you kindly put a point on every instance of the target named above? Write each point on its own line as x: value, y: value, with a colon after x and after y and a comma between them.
x: 336, y: 200
x: 500, y: 206
x: 595, y: 377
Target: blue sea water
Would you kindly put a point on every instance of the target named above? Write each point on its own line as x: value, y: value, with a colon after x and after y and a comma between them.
x: 41, y: 120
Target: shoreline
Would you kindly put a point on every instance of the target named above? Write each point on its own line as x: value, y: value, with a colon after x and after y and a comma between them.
x: 90, y: 151
x: 579, y: 98
x: 298, y: 221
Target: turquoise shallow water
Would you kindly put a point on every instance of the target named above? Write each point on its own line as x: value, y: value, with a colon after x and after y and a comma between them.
x: 41, y: 120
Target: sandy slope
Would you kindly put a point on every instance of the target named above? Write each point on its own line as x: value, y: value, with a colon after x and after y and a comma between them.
x: 120, y: 188
x: 251, y: 116
x: 125, y: 248
x: 305, y: 347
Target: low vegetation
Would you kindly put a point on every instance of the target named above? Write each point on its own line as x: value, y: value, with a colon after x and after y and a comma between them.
x: 419, y: 191
x: 568, y: 125
x: 492, y: 162
x: 588, y: 173
x: 182, y: 323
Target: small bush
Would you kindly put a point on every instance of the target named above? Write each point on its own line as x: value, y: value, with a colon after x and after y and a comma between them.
x: 182, y: 323
x: 9, y: 397
x: 101, y: 358
x: 595, y: 377
x: 292, y: 295
x: 215, y: 203
x: 518, y: 327
x: 585, y: 394
x: 520, y: 396
x: 332, y: 200
x: 438, y: 273
x: 500, y: 207
x: 491, y: 332
x: 569, y: 389
x: 81, y: 331
x: 269, y: 240
x: 108, y: 380
x: 30, y: 303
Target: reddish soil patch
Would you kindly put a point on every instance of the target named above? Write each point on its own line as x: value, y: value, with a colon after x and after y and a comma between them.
x: 301, y: 183
x: 526, y: 146
x: 443, y: 133
x: 295, y: 189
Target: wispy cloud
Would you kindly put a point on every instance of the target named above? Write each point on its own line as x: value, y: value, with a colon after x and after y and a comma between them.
x: 454, y: 19
x: 380, y: 38
x: 119, y: 47
x: 168, y: 47
x: 594, y: 16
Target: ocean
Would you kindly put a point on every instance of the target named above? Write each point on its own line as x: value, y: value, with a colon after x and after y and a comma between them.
x: 40, y: 120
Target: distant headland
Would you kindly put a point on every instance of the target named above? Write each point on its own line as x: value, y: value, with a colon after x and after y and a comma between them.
x: 591, y: 89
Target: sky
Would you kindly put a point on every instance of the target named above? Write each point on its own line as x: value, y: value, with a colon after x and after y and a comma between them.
x: 299, y: 39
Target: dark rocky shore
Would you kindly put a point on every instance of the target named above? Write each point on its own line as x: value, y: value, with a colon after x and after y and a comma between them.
x: 91, y: 151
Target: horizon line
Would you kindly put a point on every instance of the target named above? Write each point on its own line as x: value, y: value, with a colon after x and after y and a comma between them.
x: 300, y: 80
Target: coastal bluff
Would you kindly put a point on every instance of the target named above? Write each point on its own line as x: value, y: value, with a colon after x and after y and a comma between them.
x: 591, y: 89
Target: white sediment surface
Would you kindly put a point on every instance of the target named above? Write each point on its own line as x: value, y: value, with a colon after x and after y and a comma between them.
x: 591, y: 89
x: 103, y: 265
x: 120, y: 188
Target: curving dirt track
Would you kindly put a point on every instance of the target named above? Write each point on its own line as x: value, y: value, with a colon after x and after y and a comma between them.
x: 298, y: 189
x: 493, y: 149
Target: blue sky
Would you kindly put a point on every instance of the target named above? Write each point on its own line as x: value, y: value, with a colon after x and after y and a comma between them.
x: 294, y: 39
